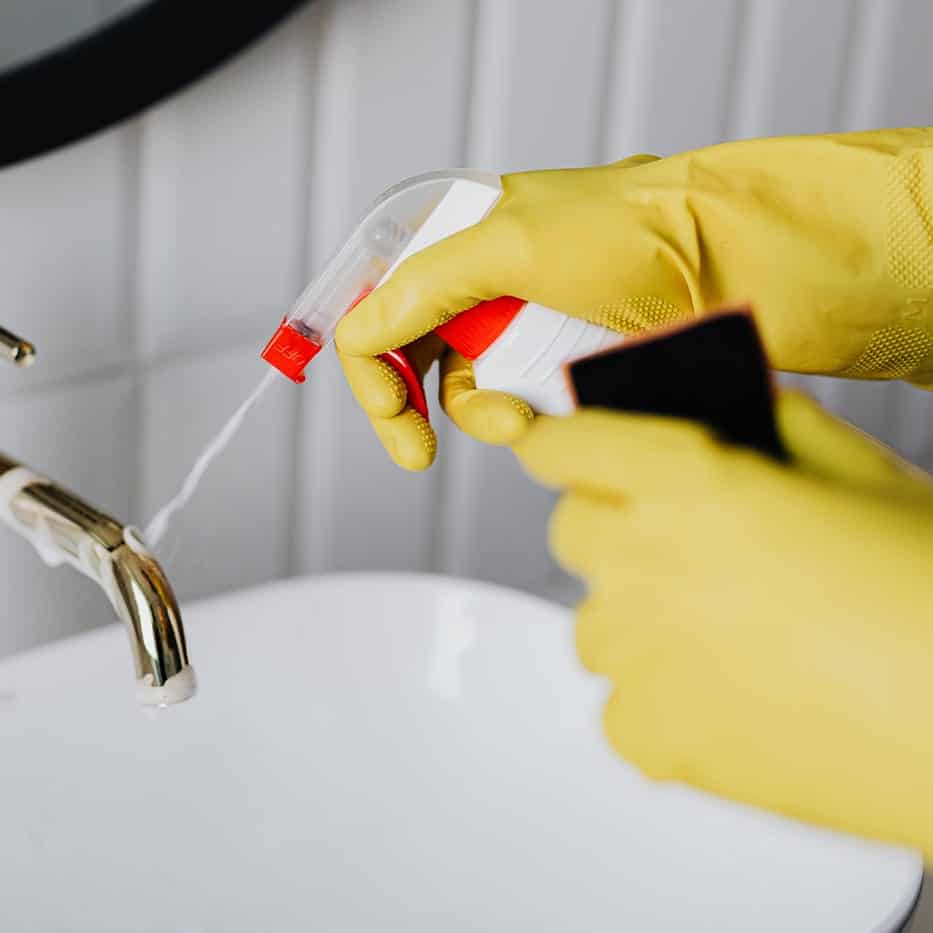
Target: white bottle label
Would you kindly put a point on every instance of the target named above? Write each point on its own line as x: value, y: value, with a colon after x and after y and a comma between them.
x: 527, y: 360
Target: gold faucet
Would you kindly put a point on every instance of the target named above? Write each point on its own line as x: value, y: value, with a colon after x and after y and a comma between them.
x: 65, y: 529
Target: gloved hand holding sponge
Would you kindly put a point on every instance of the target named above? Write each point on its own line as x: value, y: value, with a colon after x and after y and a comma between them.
x: 767, y: 628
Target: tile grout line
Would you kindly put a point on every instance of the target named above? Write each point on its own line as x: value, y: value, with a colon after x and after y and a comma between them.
x: 320, y: 448
x: 308, y: 103
x: 437, y: 560
x: 752, y: 65
x: 601, y: 148
x: 867, y: 53
x: 555, y: 582
x: 732, y: 94
x: 133, y: 259
x: 634, y: 24
x: 849, y: 81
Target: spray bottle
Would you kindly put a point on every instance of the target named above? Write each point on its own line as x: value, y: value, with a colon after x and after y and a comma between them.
x: 516, y: 347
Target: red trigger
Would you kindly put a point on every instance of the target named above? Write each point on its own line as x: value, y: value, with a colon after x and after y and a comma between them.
x: 402, y: 365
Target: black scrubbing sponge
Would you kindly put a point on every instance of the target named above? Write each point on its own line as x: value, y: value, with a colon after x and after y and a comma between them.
x: 713, y: 371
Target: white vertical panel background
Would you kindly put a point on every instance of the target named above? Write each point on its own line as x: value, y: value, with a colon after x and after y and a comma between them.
x: 669, y: 80
x: 222, y: 210
x: 768, y: 93
x: 80, y: 433
x: 64, y: 225
x: 221, y: 236
x: 390, y: 92
x: 536, y: 102
x: 233, y: 534
x: 65, y: 229
x: 150, y: 262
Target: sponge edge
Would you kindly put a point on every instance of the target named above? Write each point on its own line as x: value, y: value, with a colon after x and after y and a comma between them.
x: 178, y: 688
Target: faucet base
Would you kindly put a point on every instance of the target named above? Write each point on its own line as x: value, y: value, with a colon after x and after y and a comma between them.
x: 178, y: 688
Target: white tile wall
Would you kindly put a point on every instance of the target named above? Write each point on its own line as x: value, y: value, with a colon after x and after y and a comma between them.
x: 82, y: 433
x: 535, y: 102
x: 150, y: 262
x: 672, y: 66
x: 222, y: 191
x: 65, y: 232
x: 233, y: 534
x: 390, y: 95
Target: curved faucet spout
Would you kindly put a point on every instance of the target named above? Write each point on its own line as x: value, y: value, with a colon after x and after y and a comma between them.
x: 65, y: 529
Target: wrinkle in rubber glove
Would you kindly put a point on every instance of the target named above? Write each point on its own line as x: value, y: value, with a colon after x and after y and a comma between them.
x: 767, y: 630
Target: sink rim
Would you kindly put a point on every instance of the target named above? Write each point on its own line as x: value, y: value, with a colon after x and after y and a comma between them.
x: 549, y: 614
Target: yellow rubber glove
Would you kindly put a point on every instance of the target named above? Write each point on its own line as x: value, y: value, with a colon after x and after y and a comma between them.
x: 768, y: 630
x: 829, y: 237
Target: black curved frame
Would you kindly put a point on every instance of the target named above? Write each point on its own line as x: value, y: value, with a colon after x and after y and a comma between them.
x: 129, y: 64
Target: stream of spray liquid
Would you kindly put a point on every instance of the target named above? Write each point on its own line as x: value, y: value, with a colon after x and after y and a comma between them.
x: 159, y: 522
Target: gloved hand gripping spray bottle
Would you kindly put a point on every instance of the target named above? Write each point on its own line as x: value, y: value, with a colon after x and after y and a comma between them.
x: 516, y: 347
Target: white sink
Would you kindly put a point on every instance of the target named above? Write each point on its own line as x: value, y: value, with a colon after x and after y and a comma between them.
x: 381, y: 752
